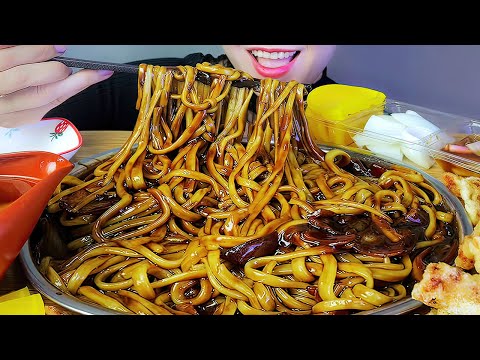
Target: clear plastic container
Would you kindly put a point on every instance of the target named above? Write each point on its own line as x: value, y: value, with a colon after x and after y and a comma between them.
x: 453, y: 158
x: 432, y: 146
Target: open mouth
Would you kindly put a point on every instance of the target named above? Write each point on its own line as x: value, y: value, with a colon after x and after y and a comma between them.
x: 274, y: 64
x: 274, y: 58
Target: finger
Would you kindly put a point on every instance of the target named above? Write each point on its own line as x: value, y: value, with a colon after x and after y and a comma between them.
x: 24, y: 76
x: 28, y: 54
x: 52, y: 94
x: 24, y: 117
x: 72, y: 87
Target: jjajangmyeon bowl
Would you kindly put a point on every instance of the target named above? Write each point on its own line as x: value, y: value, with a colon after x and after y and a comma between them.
x: 33, y: 251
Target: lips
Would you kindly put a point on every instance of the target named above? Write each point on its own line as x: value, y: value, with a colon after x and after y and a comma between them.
x: 273, y: 63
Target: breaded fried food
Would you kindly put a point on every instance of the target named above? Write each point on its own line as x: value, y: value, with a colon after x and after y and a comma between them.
x: 454, y: 290
x: 468, y: 256
x: 467, y: 189
x: 448, y: 290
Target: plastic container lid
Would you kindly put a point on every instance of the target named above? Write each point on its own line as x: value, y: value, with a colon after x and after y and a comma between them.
x: 337, y: 102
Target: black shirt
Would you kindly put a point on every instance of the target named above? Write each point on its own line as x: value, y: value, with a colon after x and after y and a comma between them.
x: 110, y: 104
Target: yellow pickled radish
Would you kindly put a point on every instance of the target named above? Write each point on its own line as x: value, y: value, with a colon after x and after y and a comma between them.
x: 26, y: 305
x: 332, y: 109
x: 15, y: 294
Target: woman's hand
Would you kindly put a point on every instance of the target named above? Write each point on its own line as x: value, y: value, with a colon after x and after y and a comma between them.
x: 30, y: 86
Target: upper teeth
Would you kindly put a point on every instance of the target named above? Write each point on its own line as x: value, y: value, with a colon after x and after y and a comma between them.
x: 273, y: 55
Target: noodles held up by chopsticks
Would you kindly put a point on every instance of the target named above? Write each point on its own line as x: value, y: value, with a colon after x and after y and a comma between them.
x: 207, y: 208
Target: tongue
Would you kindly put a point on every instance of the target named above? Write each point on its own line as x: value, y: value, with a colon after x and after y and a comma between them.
x: 273, y: 63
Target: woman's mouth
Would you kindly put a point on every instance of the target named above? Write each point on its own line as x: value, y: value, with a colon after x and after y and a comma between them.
x: 273, y: 64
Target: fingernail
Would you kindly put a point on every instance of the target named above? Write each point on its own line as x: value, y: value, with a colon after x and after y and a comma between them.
x: 60, y: 48
x: 105, y: 72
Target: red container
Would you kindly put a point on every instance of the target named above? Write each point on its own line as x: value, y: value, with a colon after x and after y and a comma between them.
x: 27, y: 181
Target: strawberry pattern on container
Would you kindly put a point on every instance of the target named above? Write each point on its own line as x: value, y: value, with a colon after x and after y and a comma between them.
x: 59, y: 130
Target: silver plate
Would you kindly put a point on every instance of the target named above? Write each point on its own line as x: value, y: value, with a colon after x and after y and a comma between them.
x: 43, y: 286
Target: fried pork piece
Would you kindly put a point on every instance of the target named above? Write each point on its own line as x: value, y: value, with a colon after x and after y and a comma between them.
x: 468, y: 256
x: 448, y: 290
x: 466, y: 189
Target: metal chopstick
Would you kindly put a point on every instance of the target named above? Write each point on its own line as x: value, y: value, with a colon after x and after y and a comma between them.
x: 96, y: 65
x: 128, y: 68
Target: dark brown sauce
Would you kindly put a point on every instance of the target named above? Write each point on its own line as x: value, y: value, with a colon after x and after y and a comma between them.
x: 12, y: 187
